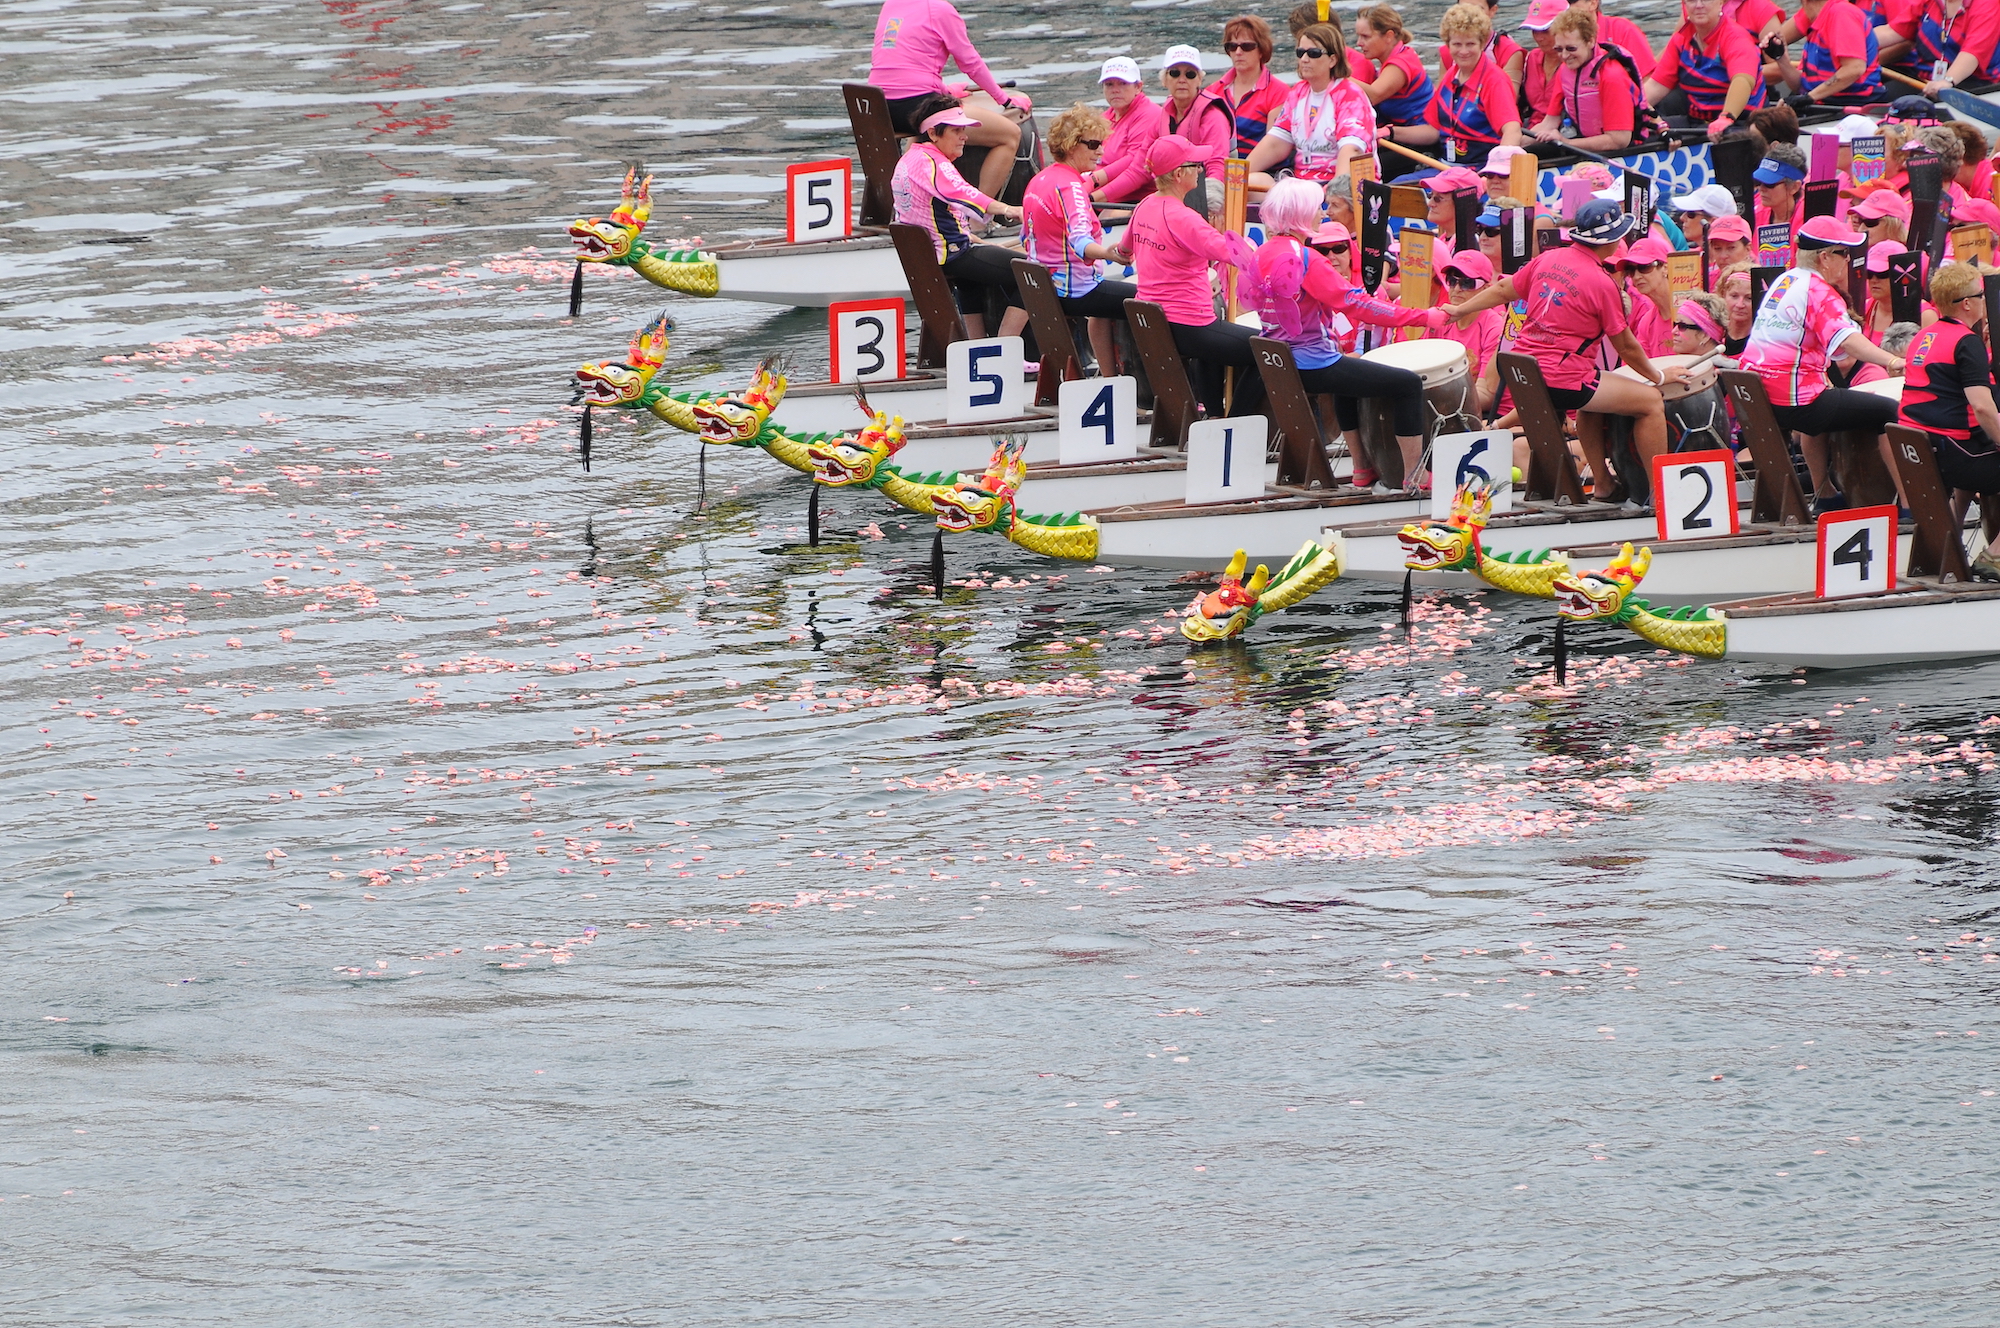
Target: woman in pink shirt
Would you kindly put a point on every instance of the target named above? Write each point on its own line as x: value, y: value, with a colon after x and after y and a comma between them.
x: 1060, y: 229
x: 1651, y: 292
x: 1252, y: 95
x: 929, y: 192
x: 1136, y: 120
x: 913, y: 38
x: 1326, y: 120
x: 1172, y: 248
x: 1461, y: 276
x: 1195, y: 112
x: 1538, y: 70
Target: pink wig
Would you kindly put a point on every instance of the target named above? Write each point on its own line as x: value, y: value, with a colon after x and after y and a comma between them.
x: 1292, y: 207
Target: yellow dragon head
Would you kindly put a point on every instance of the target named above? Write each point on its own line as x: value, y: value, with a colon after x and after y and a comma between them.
x: 740, y: 420
x: 857, y: 459
x: 1602, y: 596
x: 608, y: 239
x: 1452, y: 546
x: 1225, y: 611
x: 624, y: 384
x: 987, y: 504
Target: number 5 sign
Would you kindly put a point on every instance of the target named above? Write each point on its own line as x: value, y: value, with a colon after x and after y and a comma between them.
x: 866, y: 340
x: 1857, y: 552
x: 1694, y: 494
x: 1098, y: 420
x: 982, y: 380
x: 819, y: 200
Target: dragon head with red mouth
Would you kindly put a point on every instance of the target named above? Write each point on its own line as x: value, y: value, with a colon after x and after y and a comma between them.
x: 1601, y: 596
x: 1452, y: 545
x: 626, y: 384
x: 610, y: 239
x: 741, y: 421
x: 843, y: 462
x: 988, y: 503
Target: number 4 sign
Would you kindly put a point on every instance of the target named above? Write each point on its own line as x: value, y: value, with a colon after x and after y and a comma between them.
x: 1857, y: 552
x: 1694, y: 494
x: 1098, y: 420
x: 819, y: 200
x: 866, y: 340
x: 1225, y: 459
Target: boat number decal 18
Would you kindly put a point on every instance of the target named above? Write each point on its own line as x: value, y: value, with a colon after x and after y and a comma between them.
x: 1694, y: 494
x: 1857, y: 552
x: 1097, y: 420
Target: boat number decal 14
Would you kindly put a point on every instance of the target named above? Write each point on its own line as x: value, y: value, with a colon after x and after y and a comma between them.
x: 819, y: 200
x: 1694, y: 494
x: 865, y: 340
x: 1857, y: 552
x: 983, y: 380
x: 1098, y: 419
x: 1484, y: 458
x: 1225, y: 458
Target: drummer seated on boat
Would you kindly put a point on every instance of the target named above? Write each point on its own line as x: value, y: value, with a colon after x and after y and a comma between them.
x: 930, y: 193
x: 1700, y: 327
x: 1948, y: 393
x: 1594, y: 99
x: 1061, y: 231
x: 1802, y: 320
x: 1841, y: 63
x: 1298, y: 293
x: 1965, y: 36
x: 1572, y: 304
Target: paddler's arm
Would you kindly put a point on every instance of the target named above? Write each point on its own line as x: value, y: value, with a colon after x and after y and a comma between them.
x: 1961, y: 69
x: 1861, y: 348
x: 1500, y: 292
x: 1635, y: 358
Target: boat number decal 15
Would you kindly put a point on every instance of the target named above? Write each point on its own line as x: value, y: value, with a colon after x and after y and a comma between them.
x: 1225, y: 458
x: 983, y: 380
x: 1694, y: 494
x: 866, y: 340
x: 1857, y: 552
x: 1485, y: 457
x: 819, y: 200
x: 1098, y: 420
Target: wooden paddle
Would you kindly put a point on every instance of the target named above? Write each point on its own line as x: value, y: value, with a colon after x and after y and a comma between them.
x: 1414, y: 155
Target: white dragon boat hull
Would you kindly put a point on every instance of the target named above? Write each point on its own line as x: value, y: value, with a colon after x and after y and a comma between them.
x: 1376, y: 554
x: 1177, y: 536
x: 932, y: 447
x: 1153, y: 477
x: 812, y: 276
x: 1920, y: 623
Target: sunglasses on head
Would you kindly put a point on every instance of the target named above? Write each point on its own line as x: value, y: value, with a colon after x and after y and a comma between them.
x: 1183, y: 73
x: 1310, y: 53
x: 1233, y: 47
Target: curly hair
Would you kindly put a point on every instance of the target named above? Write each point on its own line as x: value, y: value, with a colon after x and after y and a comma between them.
x: 1576, y: 21
x: 1950, y: 150
x: 1073, y: 126
x: 1465, y: 21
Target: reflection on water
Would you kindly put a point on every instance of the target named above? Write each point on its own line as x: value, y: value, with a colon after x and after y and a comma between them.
x: 443, y: 877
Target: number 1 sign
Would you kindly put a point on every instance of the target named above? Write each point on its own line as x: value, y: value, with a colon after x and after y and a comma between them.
x: 866, y: 340
x: 1097, y: 420
x: 1694, y: 494
x: 1225, y: 459
x: 1857, y: 552
x: 819, y: 200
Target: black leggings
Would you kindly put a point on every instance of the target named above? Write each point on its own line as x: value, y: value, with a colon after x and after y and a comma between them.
x: 972, y: 271
x: 1838, y: 409
x: 1214, y: 346
x: 1351, y: 377
x: 1972, y: 465
x: 1104, y: 300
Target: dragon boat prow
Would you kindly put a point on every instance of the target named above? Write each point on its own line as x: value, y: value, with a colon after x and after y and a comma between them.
x: 615, y: 242
x: 1606, y: 596
x: 1229, y: 609
x: 1453, y: 545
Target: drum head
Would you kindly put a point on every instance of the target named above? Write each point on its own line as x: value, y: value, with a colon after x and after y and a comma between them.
x: 1891, y: 388
x: 1701, y: 380
x: 1435, y: 362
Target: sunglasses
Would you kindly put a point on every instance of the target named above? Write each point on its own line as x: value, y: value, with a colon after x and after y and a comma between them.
x: 1690, y: 327
x: 1183, y: 73
x: 1458, y: 282
x: 1233, y: 47
x: 1567, y: 50
x: 1310, y: 53
x: 1487, y: 232
x: 1092, y: 143
x: 1339, y: 247
x: 1644, y: 267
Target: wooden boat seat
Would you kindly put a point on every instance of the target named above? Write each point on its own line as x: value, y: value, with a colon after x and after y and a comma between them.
x: 1937, y: 551
x: 875, y: 143
x: 1302, y: 458
x: 1552, y: 476
x: 930, y: 292
x: 1060, y: 362
x: 1777, y: 498
x: 1174, y: 408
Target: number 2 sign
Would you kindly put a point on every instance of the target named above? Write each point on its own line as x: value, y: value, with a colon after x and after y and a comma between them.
x: 866, y: 340
x: 1857, y: 552
x: 1694, y: 494
x: 819, y: 200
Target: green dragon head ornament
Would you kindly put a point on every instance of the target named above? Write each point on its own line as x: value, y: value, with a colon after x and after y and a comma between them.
x: 741, y: 421
x: 1607, y: 596
x: 614, y: 241
x: 1453, y: 546
x: 846, y: 461
x: 625, y: 384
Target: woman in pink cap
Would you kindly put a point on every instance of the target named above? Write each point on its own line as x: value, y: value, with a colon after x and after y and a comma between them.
x: 1651, y: 293
x: 1884, y: 215
x: 913, y: 39
x: 1194, y: 112
x: 1326, y: 119
x: 1172, y: 247
x: 1730, y: 241
x: 1460, y: 277
x: 1801, y: 323
x: 930, y: 193
x: 1441, y: 193
x: 1876, y: 311
x: 1298, y: 294
x: 1136, y: 120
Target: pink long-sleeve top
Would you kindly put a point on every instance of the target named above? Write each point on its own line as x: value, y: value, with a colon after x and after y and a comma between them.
x: 1126, y: 175
x: 1322, y: 297
x: 1208, y: 125
x: 1057, y: 222
x: 912, y: 40
x: 1172, y: 247
x: 928, y: 191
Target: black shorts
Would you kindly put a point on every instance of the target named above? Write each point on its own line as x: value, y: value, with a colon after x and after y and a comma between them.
x: 1104, y: 300
x: 1567, y: 399
x: 1972, y: 465
x: 899, y: 112
x: 1838, y: 409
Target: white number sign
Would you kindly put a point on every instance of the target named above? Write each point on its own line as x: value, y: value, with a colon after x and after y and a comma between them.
x: 1461, y: 458
x: 1694, y: 494
x: 819, y: 200
x: 1098, y: 419
x: 866, y: 340
x: 983, y: 380
x: 1857, y: 552
x: 1225, y: 459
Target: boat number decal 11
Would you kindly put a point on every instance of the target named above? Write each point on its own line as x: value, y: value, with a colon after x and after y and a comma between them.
x: 1098, y: 420
x: 866, y: 340
x: 983, y: 380
x: 1857, y: 552
x: 1694, y: 494
x: 819, y: 200
x: 1225, y: 458
x: 1485, y: 458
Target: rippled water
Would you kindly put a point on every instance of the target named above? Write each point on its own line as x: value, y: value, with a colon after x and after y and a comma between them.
x: 444, y: 884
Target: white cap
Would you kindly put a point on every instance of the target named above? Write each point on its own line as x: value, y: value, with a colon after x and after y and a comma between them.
x: 1712, y: 199
x: 1123, y: 68
x: 1856, y: 126
x: 1182, y: 54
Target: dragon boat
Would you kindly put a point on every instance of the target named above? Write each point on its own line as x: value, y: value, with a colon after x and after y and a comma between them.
x: 1453, y: 545
x: 988, y: 505
x: 1227, y: 611
x: 614, y: 241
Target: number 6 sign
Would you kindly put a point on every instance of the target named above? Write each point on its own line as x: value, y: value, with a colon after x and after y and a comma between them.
x: 1694, y: 494
x: 866, y: 340
x: 819, y: 200
x: 1857, y: 552
x: 1461, y: 458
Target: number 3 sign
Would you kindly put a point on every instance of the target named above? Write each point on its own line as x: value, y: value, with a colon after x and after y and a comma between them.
x: 819, y: 200
x: 1694, y: 494
x: 1857, y: 552
x: 866, y: 340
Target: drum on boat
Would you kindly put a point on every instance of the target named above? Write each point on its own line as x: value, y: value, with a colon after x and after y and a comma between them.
x: 1891, y: 388
x: 1697, y: 412
x: 1447, y: 379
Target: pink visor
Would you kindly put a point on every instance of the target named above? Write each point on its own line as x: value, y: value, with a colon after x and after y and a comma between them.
x: 951, y: 115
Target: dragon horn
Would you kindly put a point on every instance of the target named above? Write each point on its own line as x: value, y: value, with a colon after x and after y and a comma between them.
x: 643, y: 207
x: 1481, y: 504
x: 1620, y: 568
x: 1017, y: 466
x: 896, y: 438
x: 996, y: 466
x: 1234, y: 572
x: 861, y: 400
x: 1461, y: 506
x: 1259, y: 579
x: 1641, y: 565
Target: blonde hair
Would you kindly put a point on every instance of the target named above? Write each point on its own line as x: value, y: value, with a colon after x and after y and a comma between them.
x: 1954, y: 282
x: 1710, y: 304
x: 1073, y: 126
x: 1465, y: 21
x: 1742, y: 269
x: 1382, y: 18
x: 1575, y: 20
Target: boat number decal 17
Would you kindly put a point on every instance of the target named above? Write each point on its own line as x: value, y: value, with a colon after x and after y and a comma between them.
x: 1694, y: 494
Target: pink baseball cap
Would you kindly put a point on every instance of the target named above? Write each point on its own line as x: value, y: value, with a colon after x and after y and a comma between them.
x: 1730, y: 228
x: 951, y: 115
x: 1330, y: 232
x: 1500, y: 160
x: 1169, y: 152
x: 1883, y: 203
x: 1541, y: 13
x: 1878, y: 254
x: 1646, y: 252
x: 1454, y: 180
x: 1975, y: 210
x: 1470, y: 262
x: 1824, y: 232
